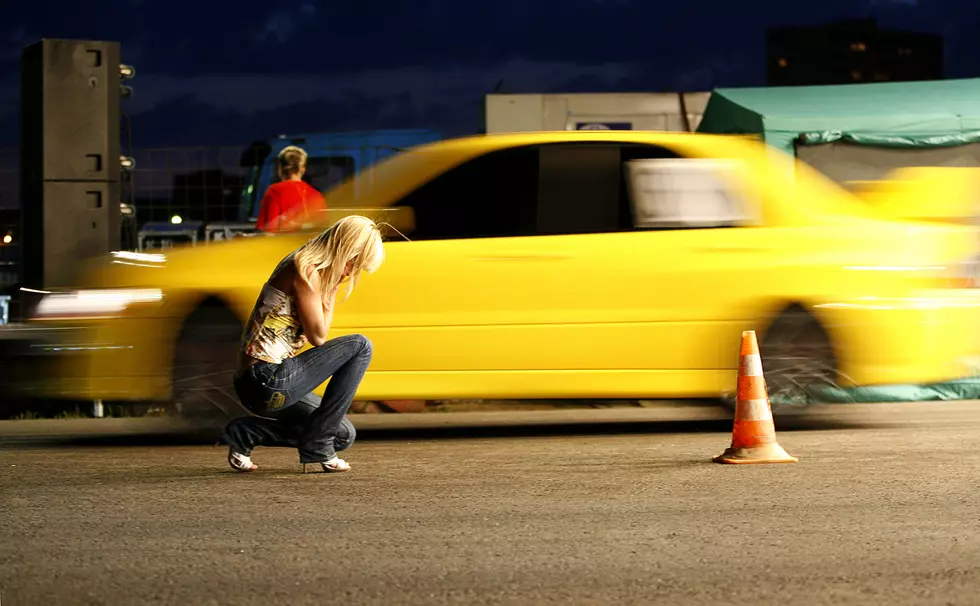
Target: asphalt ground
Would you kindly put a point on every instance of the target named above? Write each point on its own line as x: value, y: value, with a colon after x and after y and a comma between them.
x: 576, y: 507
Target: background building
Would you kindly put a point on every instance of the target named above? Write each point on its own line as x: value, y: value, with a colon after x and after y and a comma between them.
x: 595, y: 111
x: 852, y: 51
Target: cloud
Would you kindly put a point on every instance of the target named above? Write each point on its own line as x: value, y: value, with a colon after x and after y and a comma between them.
x: 204, y: 109
x: 278, y: 28
x: 425, y: 86
x: 208, y: 108
x: 283, y: 24
x: 721, y: 70
x: 234, y: 109
x: 13, y: 41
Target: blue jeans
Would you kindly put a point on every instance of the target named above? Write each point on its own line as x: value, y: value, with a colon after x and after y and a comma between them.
x: 283, y: 395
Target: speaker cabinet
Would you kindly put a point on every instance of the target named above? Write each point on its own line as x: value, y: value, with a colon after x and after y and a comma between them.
x: 70, y: 116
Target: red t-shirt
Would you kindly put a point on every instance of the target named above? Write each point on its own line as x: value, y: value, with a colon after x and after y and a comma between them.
x: 286, y: 205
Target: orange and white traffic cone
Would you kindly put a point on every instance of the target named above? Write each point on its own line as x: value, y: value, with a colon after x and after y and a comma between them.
x: 754, y: 434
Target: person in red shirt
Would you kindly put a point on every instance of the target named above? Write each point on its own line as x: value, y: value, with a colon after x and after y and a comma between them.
x: 291, y: 202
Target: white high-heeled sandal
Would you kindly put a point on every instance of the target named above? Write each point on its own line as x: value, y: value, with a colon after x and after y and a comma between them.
x: 240, y: 462
x: 334, y: 465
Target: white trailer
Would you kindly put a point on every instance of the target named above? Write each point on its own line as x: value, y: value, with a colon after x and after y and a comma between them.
x: 677, y: 112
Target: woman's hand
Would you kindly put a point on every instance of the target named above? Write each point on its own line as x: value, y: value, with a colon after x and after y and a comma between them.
x: 312, y: 308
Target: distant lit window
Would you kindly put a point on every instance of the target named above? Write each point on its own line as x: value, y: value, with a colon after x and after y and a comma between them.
x: 858, y: 47
x: 856, y: 75
x: 782, y: 62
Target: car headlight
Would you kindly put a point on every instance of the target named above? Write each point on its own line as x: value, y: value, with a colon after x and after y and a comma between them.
x: 103, y: 303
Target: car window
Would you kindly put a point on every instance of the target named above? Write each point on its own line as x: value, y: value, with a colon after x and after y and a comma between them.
x: 492, y: 196
x: 579, y: 190
x: 573, y: 188
x: 584, y: 188
x: 676, y: 193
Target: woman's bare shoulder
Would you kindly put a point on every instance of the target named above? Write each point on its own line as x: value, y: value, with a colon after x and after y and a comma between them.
x: 285, y: 278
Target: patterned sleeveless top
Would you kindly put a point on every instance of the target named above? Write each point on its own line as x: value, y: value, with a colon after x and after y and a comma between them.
x: 274, y: 332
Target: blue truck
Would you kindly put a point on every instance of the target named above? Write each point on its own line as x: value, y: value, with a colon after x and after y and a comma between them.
x: 332, y: 158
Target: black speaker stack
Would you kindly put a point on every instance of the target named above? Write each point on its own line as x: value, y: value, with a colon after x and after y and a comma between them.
x: 70, y: 156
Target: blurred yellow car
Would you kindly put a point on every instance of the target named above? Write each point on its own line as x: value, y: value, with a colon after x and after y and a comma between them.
x: 555, y: 265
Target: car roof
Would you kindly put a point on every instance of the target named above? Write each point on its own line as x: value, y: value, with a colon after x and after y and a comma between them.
x: 396, y: 176
x: 770, y: 170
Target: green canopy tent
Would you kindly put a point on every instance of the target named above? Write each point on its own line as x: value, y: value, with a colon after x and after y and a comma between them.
x: 857, y: 131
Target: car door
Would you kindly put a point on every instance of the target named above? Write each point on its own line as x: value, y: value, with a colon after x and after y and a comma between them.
x: 528, y: 277
x: 659, y: 296
x: 463, y: 305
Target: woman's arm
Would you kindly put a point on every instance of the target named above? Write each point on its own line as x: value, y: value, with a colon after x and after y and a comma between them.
x: 312, y: 308
x: 328, y: 306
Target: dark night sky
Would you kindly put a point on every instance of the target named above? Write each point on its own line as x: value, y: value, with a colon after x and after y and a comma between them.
x: 210, y: 75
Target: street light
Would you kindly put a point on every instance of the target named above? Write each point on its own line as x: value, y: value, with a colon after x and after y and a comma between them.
x: 7, y: 239
x: 126, y: 72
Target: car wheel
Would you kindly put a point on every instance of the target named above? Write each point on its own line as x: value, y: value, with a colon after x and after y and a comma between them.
x: 204, y: 364
x: 797, y: 359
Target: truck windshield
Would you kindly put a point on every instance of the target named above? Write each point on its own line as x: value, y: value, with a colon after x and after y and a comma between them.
x: 326, y: 172
x: 246, y: 202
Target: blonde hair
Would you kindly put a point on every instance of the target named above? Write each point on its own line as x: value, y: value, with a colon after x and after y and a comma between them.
x: 292, y: 161
x: 354, y: 238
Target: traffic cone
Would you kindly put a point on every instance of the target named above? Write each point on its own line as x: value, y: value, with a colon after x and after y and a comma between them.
x: 754, y: 434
